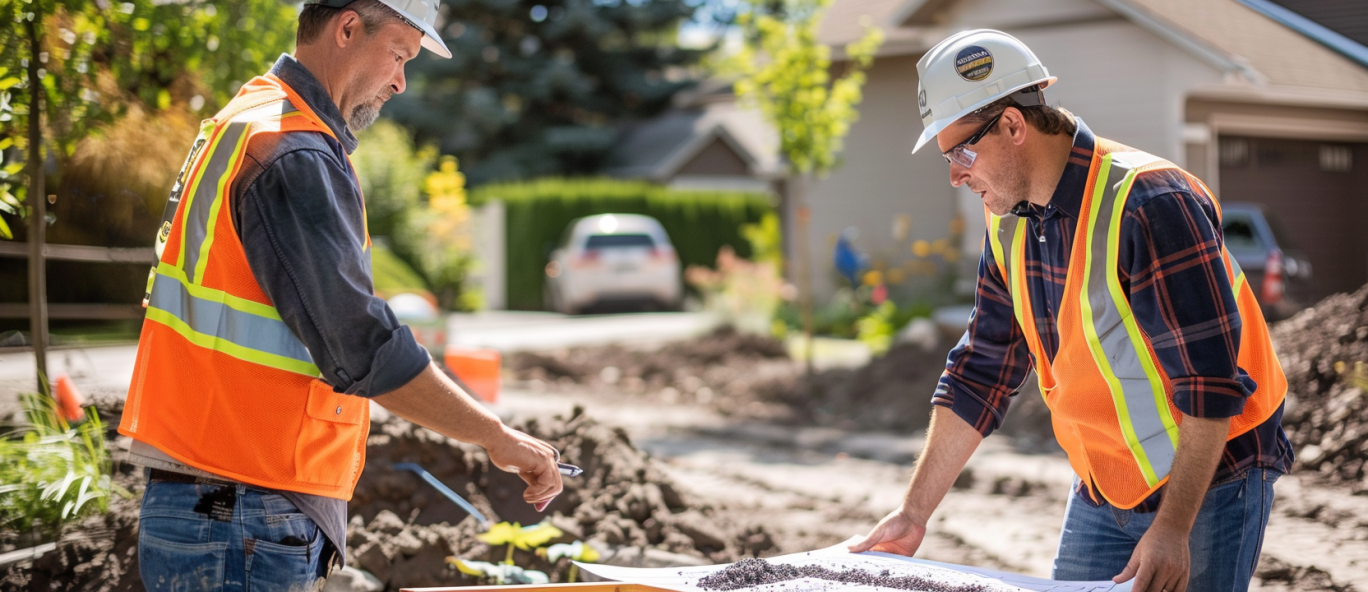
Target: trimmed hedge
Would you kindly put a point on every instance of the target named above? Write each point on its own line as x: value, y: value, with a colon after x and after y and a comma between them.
x: 698, y: 222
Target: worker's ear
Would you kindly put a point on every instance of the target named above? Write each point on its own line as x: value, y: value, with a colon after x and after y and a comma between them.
x: 1014, y: 125
x: 348, y: 29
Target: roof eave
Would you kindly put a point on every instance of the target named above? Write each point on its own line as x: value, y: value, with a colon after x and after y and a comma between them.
x: 1199, y: 48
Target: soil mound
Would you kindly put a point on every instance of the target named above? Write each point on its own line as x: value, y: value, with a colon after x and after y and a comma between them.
x: 1324, y: 351
x: 402, y: 529
x: 753, y: 377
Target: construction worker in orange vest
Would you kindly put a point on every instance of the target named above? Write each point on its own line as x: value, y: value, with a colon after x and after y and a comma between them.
x: 1104, y: 270
x: 264, y: 344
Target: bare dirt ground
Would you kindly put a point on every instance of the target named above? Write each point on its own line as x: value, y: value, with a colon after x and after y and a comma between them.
x: 721, y: 448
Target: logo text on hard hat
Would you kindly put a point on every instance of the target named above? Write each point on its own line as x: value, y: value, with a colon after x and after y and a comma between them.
x: 921, y: 102
x: 974, y: 63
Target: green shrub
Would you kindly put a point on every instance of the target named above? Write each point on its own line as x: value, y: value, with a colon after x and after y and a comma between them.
x: 699, y: 222
x: 51, y: 472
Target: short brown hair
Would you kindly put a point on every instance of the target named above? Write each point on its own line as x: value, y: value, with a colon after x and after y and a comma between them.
x: 315, y: 17
x: 1047, y: 120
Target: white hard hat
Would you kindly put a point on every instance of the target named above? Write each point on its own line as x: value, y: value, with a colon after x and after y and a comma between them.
x: 421, y: 14
x: 971, y: 69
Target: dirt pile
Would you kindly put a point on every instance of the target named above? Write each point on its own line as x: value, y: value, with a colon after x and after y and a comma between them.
x: 402, y: 529
x: 1324, y: 351
x: 753, y: 377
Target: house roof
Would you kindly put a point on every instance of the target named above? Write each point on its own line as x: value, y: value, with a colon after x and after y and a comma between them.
x: 1341, y: 25
x: 1266, y: 55
x: 658, y: 148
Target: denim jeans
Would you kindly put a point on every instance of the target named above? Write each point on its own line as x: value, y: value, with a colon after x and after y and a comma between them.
x: 1224, y: 545
x: 227, y: 538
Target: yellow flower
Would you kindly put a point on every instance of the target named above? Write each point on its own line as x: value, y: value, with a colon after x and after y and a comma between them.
x: 873, y: 278
x: 921, y: 248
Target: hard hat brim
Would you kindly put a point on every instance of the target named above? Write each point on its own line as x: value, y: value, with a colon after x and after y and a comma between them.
x: 939, y: 125
x: 431, y: 40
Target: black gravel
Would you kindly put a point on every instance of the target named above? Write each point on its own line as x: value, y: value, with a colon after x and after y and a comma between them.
x: 758, y: 572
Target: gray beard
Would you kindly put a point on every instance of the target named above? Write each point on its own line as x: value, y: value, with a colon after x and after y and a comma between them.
x: 362, y: 116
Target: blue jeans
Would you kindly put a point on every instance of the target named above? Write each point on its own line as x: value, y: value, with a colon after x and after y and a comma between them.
x: 227, y: 538
x: 1224, y: 544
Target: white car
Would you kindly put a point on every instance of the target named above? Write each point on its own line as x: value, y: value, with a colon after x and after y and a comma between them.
x: 613, y: 259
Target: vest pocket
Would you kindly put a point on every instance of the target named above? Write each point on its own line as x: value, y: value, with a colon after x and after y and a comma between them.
x: 330, y: 437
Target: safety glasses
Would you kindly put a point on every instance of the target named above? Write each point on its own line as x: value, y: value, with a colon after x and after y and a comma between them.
x: 961, y: 154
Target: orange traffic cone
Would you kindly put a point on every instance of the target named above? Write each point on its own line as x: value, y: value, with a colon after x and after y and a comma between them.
x: 478, y: 368
x: 69, y: 400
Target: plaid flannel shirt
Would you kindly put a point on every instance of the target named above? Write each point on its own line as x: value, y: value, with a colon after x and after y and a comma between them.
x: 1170, y: 265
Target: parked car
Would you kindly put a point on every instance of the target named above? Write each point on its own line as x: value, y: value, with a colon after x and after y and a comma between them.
x: 613, y: 259
x: 1279, y: 275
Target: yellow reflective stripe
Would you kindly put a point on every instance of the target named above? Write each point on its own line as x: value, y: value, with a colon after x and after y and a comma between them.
x: 1018, y: 285
x: 219, y: 192
x: 205, y: 156
x: 198, y: 291
x: 222, y: 188
x: 227, y: 347
x: 1095, y: 341
x: 1128, y: 318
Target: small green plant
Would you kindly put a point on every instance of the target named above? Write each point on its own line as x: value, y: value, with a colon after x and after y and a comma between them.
x: 576, y: 551
x: 52, y: 472
x: 515, y: 536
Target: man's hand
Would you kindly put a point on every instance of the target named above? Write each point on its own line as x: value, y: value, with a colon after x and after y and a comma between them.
x: 533, y: 460
x: 1160, y: 562
x: 897, y: 533
x: 435, y: 402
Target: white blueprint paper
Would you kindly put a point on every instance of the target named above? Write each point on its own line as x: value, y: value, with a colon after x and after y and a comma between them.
x: 685, y: 579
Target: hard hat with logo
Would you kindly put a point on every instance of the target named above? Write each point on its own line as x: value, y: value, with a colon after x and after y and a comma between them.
x: 420, y: 14
x: 970, y: 70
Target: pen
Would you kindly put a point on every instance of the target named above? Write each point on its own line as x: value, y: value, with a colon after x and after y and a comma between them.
x: 569, y: 470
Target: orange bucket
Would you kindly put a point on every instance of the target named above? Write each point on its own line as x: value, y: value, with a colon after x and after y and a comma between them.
x: 477, y: 368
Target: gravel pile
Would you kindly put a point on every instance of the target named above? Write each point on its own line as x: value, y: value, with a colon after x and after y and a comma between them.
x: 1324, y: 350
x: 749, y: 573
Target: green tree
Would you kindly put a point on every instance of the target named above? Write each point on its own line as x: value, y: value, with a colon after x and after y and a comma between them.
x: 787, y: 74
x: 99, y: 60
x: 537, y: 87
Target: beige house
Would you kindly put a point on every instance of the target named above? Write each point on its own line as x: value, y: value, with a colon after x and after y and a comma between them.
x: 1263, y: 108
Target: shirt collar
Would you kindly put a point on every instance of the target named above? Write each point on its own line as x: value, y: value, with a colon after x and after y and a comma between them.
x: 300, y: 79
x: 1068, y: 194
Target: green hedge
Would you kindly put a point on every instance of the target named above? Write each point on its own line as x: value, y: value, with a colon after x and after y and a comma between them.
x: 698, y: 222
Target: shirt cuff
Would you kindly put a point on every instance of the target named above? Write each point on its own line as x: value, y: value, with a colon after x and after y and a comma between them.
x: 397, y: 362
x: 1201, y: 396
x: 968, y: 405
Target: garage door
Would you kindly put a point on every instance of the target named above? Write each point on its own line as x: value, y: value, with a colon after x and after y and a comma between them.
x: 1314, y: 192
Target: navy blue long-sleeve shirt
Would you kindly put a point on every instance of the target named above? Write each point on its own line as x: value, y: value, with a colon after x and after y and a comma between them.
x: 299, y: 213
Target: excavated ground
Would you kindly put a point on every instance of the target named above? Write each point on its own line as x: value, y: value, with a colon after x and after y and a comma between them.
x: 720, y: 448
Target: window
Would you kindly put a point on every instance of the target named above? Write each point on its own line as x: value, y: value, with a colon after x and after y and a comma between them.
x: 619, y: 241
x: 1239, y: 232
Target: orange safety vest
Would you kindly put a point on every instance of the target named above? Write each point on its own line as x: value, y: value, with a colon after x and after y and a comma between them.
x: 221, y: 383
x: 1110, y: 400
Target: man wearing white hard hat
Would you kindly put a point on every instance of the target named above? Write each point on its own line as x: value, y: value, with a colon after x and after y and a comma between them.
x: 1104, y: 270
x: 264, y: 344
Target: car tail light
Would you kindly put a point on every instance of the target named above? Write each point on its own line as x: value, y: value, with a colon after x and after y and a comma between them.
x: 660, y: 255
x: 587, y: 258
x: 1274, y: 282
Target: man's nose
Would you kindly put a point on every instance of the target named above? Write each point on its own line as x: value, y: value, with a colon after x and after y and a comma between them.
x: 958, y: 175
x: 398, y: 84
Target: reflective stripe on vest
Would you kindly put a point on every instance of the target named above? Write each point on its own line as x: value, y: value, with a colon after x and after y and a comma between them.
x: 1116, y: 343
x: 211, y: 181
x: 210, y: 318
x: 1137, y: 389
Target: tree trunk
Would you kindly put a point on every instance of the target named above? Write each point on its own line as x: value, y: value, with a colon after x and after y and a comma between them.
x: 37, y: 199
